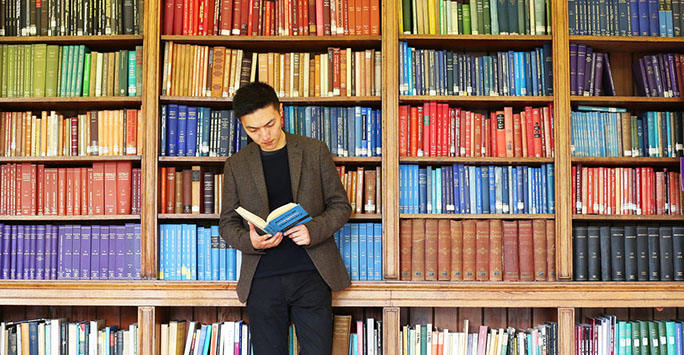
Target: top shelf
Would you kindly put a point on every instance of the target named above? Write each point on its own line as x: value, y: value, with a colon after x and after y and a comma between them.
x: 281, y: 43
x: 630, y: 43
x: 475, y: 42
x: 93, y: 42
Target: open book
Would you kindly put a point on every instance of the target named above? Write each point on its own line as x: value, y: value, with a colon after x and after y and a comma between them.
x: 279, y: 220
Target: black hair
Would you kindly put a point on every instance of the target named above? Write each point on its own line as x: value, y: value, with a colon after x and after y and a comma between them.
x: 252, y: 97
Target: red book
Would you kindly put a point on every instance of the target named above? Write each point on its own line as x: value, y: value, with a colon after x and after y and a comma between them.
x: 439, y: 135
x: 529, y: 132
x: 463, y: 139
x: 91, y: 209
x: 226, y: 17
x: 110, y: 191
x: 52, y: 185
x: 573, y: 187
x: 170, y: 190
x: 294, y: 17
x: 525, y: 251
x: 431, y: 249
x: 168, y: 17
x: 476, y: 130
x: 403, y: 130
x: 456, y: 132
x: 40, y: 193
x: 254, y: 17
x: 659, y: 195
x: 24, y: 189
x: 123, y: 187
x: 539, y: 253
x: 245, y: 16
x: 201, y: 17
x: 432, y: 109
x: 418, y: 250
x: 77, y: 191
x: 131, y: 132
x: 590, y: 191
x: 468, y: 134
x: 517, y: 136
x: 482, y: 253
x: 420, y: 131
x: 495, y: 245
x: 98, y: 188
x: 413, y: 132
x: 61, y: 191
x: 456, y: 231
x: 366, y: 16
x: 237, y: 17
x: 443, y: 250
x: 536, y: 126
x: 469, y: 250
x: 84, y: 191
x: 209, y: 9
x: 195, y: 17
x: 551, y: 131
x: 486, y: 133
x: 510, y: 251
x: 426, y: 129
x: 34, y: 187
x: 500, y: 134
x: 551, y: 250
x: 548, y: 133
x: 187, y: 13
x: 326, y: 17
x: 405, y: 240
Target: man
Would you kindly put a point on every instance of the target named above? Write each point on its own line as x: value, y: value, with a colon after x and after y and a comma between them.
x: 286, y: 276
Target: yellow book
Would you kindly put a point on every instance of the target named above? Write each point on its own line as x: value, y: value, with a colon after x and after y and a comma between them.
x: 236, y: 60
x: 263, y: 67
x: 271, y: 70
x: 306, y: 68
x: 253, y: 72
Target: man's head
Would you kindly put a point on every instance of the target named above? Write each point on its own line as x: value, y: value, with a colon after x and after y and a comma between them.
x: 257, y: 107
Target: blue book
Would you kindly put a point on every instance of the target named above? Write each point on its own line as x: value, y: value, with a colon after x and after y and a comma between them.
x: 201, y: 249
x: 491, y: 191
x: 161, y: 273
x: 169, y: 252
x: 455, y: 188
x: 370, y: 252
x: 363, y: 247
x: 75, y: 252
x: 526, y: 190
x: 205, y: 236
x: 525, y: 75
x: 5, y: 239
x: 191, y: 132
x: 64, y: 252
x: 346, y: 246
x: 163, y: 130
x: 367, y: 119
x: 332, y: 133
x: 230, y: 264
x: 466, y: 189
x: 542, y: 188
x: 206, y: 131
x: 378, y: 133
x: 377, y: 250
x: 355, y: 252
x: 215, y: 237
x: 185, y: 252
x: 350, y: 124
x: 514, y: 190
x: 448, y: 172
x: 422, y: 193
x: 192, y: 233
x: 176, y: 251
x: 280, y: 219
x: 182, y: 130
x: 460, y: 173
x: 550, y: 189
x: 223, y: 259
x: 506, y: 190
x: 533, y: 74
x: 653, y: 18
x: 85, y: 252
x: 327, y: 124
x: 358, y: 132
x: 403, y: 193
x: 520, y: 188
x: 136, y: 251
x: 478, y: 190
x: 429, y: 189
x: 634, y: 17
x: 129, y: 251
x: 474, y: 181
x: 413, y: 179
x: 120, y: 252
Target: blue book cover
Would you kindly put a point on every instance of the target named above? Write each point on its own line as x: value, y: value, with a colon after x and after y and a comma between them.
x: 527, y: 190
x: 308, y: 119
x: 377, y: 250
x: 485, y: 189
x: 472, y: 192
x: 422, y: 193
x: 439, y: 192
x: 466, y: 189
x: 104, y: 252
x: 206, y: 236
x: 455, y: 188
x: 498, y: 189
x: 514, y: 189
x: 355, y: 252
x: 346, y: 246
x: 230, y: 264
x: 403, y: 190
x: 448, y: 172
x: 550, y: 189
x: 542, y: 188
x: 358, y: 132
x: 192, y: 243
x: 201, y: 249
x: 363, y: 247
x: 534, y: 89
x: 634, y: 17
x: 370, y: 252
x: 428, y: 189
x: 182, y: 130
x: 177, y: 251
x: 163, y: 130
x: 506, y: 190
x: 336, y: 236
x: 163, y: 258
x: 13, y: 231
x: 414, y: 188
x: 461, y: 191
x: 191, y: 132
x: 350, y: 121
x: 525, y: 74
x: 536, y: 206
x: 223, y: 260
x: 136, y: 251
x: 332, y: 123
x: 215, y: 237
x: 169, y: 247
x: 478, y: 189
x: 520, y: 187
x: 491, y: 193
x: 378, y: 133
x: 5, y: 239
x: 662, y: 22
x: 120, y: 252
x: 185, y: 251
x: 326, y: 124
x: 653, y: 18
x: 367, y: 116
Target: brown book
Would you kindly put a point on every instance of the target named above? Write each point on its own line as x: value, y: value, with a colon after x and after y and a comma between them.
x: 358, y: 189
x: 369, y: 192
x: 418, y: 250
x: 405, y: 241
x: 551, y: 250
x: 431, y: 226
x: 525, y: 251
x: 77, y: 191
x: 456, y: 233
x: 539, y: 244
x: 163, y: 189
x: 110, y: 191
x: 178, y: 204
x: 626, y: 138
x: 469, y: 250
x: 378, y: 189
x: 482, y: 254
x: 444, y: 250
x: 170, y: 178
x: 352, y: 190
x: 197, y: 190
x: 341, y: 331
x: 495, y: 257
x: 187, y: 191
x: 510, y: 251
x: 123, y: 187
x: 61, y: 190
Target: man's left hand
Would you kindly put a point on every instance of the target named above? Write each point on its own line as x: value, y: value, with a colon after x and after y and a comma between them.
x: 299, y: 235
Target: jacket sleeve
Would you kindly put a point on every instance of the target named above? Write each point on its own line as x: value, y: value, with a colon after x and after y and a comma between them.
x: 231, y: 225
x: 337, y: 207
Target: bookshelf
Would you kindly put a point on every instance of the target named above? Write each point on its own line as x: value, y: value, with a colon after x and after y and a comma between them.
x: 149, y: 301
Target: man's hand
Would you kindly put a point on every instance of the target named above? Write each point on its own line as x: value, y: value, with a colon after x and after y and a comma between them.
x: 299, y: 235
x: 265, y: 241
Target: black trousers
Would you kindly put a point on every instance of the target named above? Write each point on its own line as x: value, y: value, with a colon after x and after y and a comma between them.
x: 303, y: 298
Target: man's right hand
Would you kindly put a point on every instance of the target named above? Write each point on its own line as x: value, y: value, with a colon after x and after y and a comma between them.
x: 265, y: 241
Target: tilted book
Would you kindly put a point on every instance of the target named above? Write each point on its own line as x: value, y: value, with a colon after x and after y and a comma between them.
x: 279, y: 220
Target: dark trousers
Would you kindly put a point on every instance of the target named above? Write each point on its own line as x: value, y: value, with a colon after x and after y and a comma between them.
x: 303, y: 298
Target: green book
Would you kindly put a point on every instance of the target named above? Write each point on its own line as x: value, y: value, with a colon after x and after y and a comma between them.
x: 19, y: 89
x: 28, y: 70
x: 423, y: 339
x: 138, y: 71
x: 51, y: 71
x: 78, y: 79
x: 474, y: 29
x: 5, y: 63
x: 466, y: 19
x: 645, y: 336
x: 494, y: 10
x: 487, y: 17
x: 628, y: 339
x: 11, y: 70
x: 527, y: 17
x: 662, y: 335
x: 39, y: 65
x: 539, y: 14
x: 123, y: 73
x: 407, y: 10
x: 64, y: 64
x: 414, y: 16
x: 621, y: 327
x: 636, y: 338
x: 459, y: 17
x: 86, y: 75
x: 548, y: 17
x: 670, y: 336
x: 654, y: 339
x: 132, y: 77
x: 521, y: 17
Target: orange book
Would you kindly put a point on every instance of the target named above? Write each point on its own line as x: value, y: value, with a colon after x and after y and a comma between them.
x: 365, y: 13
x: 477, y: 135
x: 525, y: 250
x: 344, y: 86
x: 352, y: 200
x: 443, y: 250
x: 359, y: 17
x: 517, y: 136
x: 110, y: 188
x: 336, y: 77
x: 509, y: 135
x: 61, y: 191
x: 374, y: 17
x: 131, y: 132
x: 351, y: 14
x: 456, y: 235
x: 418, y: 250
x: 77, y: 191
x: 405, y: 241
x: 317, y: 75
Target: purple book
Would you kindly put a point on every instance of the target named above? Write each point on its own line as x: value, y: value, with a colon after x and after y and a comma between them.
x: 54, y: 250
x: 6, y: 251
x: 20, y: 252
x: 673, y: 74
x: 664, y: 75
x: 14, y: 259
x: 573, y: 68
x: 128, y: 257
x: 95, y: 253
x: 48, y: 252
x: 120, y: 260
x: 85, y: 253
x: 639, y: 72
x: 654, y: 71
x: 598, y: 78
x: 650, y: 76
x: 66, y: 244
x: 104, y: 252
x: 581, y: 62
x: 31, y: 275
x: 589, y: 70
x: 136, y: 251
x: 76, y: 252
x: 40, y: 252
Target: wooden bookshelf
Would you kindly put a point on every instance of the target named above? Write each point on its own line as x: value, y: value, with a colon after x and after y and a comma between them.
x: 215, y: 216
x: 281, y: 43
x: 631, y: 218
x: 475, y: 42
x: 225, y: 103
x: 70, y: 103
x: 221, y: 160
x: 480, y: 102
x: 475, y: 160
x: 62, y: 219
x: 93, y: 42
x: 630, y: 102
x: 626, y: 161
x: 70, y: 160
x: 474, y: 216
x: 631, y: 43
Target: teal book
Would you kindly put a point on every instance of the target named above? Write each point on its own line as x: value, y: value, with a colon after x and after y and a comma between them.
x: 279, y: 220
x: 132, y: 78
x: 494, y: 16
x: 78, y: 79
x: 64, y: 63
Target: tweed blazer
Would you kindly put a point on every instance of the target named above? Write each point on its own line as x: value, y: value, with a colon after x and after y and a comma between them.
x: 316, y: 186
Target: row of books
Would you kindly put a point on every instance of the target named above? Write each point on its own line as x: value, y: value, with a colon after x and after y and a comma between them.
x: 191, y: 190
x: 192, y: 70
x: 650, y: 134
x: 424, y: 339
x: 626, y: 191
x: 482, y: 250
x: 628, y: 252
x: 41, y: 70
x: 364, y: 188
x: 360, y: 245
x: 442, y: 72
x: 659, y: 75
x: 59, y: 336
x: 70, y: 18
x: 625, y: 18
x: 483, y: 17
x: 191, y: 252
x: 590, y: 72
x: 435, y: 129
x: 179, y: 337
x: 70, y: 252
x: 476, y: 189
x: 53, y: 134
x: 356, y: 337
x: 606, y: 334
x: 108, y: 188
x: 272, y: 18
x: 347, y: 131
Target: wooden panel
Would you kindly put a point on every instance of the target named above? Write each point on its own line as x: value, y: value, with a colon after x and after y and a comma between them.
x: 391, y: 324
x: 543, y: 315
x: 69, y: 160
x: 641, y: 314
x: 621, y: 64
x: 627, y: 161
x: 205, y: 315
x: 60, y: 312
x: 129, y: 315
x: 181, y: 313
x: 85, y: 313
x: 566, y: 326
x: 520, y: 318
x: 148, y: 331
x: 111, y: 315
x: 474, y: 161
x: 446, y: 318
x: 585, y: 313
x: 420, y: 315
x: 474, y: 317
x: 14, y: 313
x: 495, y: 317
x: 668, y: 313
x: 33, y: 312
x: 620, y: 313
x: 230, y: 314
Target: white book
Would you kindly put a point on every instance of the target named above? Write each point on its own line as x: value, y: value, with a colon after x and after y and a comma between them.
x: 164, y: 339
x: 188, y: 337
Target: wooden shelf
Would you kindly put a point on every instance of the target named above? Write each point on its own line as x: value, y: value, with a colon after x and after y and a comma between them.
x: 69, y: 160
x: 97, y: 42
x: 70, y: 103
x: 631, y: 102
x: 365, y: 216
x: 475, y: 160
x: 473, y: 216
x: 633, y: 218
x: 626, y: 161
x: 630, y: 43
x: 360, y: 294
x: 221, y: 160
x: 279, y: 43
x: 481, y: 102
x: 213, y: 216
x: 89, y: 218
x: 223, y: 102
x: 358, y: 160
x: 475, y: 42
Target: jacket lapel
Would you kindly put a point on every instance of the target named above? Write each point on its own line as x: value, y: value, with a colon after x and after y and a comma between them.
x: 253, y: 159
x: 294, y: 153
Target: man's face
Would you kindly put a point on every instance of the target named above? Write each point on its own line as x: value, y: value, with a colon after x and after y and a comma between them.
x: 263, y: 126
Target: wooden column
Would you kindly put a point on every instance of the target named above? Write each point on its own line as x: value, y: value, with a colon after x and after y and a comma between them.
x: 390, y: 329
x: 148, y: 336
x: 566, y: 330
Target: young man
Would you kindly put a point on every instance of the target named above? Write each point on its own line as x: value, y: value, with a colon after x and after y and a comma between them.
x: 286, y: 276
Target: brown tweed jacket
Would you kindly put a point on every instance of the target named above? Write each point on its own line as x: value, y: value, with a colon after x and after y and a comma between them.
x: 316, y: 186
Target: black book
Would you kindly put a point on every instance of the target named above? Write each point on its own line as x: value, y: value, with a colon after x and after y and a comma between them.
x: 606, y: 274
x: 630, y: 253
x: 642, y: 253
x: 502, y: 15
x: 678, y: 252
x: 666, y: 265
x: 679, y: 136
x: 12, y: 341
x: 594, y: 254
x: 617, y: 250
x: 579, y: 246
x: 512, y: 17
x: 653, y: 254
